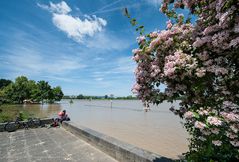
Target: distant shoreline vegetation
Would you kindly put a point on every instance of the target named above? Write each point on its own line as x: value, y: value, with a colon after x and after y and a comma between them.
x: 28, y: 91
x: 105, y: 97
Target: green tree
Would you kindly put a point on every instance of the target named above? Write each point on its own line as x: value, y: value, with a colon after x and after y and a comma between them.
x: 80, y: 96
x: 34, y: 91
x: 21, y: 89
x: 57, y: 93
x: 4, y: 83
x: 7, y: 94
x: 44, y: 90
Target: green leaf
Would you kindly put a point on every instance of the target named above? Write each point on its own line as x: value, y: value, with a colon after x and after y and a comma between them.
x: 196, y: 115
x: 188, y: 20
x: 142, y: 31
x: 133, y: 22
x: 141, y: 27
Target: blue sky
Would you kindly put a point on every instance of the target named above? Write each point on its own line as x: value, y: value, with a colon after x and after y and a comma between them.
x: 85, y: 46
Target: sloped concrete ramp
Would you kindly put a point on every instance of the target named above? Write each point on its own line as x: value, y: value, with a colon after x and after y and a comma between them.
x: 47, y: 145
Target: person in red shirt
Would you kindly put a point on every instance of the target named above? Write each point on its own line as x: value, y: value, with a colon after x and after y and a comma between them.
x: 63, y: 116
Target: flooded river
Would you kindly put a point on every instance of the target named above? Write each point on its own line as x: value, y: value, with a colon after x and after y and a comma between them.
x: 157, y: 130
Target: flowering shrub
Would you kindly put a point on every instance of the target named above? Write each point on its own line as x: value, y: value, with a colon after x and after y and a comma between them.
x: 200, y: 64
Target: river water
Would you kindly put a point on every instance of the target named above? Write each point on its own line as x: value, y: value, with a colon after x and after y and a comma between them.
x: 157, y: 130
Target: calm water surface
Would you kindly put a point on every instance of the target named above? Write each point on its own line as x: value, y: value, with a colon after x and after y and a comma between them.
x: 158, y: 130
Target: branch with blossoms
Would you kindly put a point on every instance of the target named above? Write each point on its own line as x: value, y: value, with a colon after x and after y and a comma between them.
x: 200, y: 63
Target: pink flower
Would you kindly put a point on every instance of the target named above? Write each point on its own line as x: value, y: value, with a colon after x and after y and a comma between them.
x: 140, y: 39
x: 235, y: 143
x: 153, y: 34
x: 231, y: 135
x: 204, y: 56
x: 199, y: 125
x: 136, y: 58
x: 180, y: 61
x: 211, y: 29
x: 236, y: 28
x: 198, y: 43
x: 208, y: 63
x: 154, y: 43
x: 169, y: 24
x: 136, y: 51
x: 234, y: 42
x: 230, y: 116
x: 234, y: 128
x: 188, y: 115
x: 220, y: 70
x: 214, y: 121
x: 200, y: 72
x: 136, y: 88
x: 217, y: 143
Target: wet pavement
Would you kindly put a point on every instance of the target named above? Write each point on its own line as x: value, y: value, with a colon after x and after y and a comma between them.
x: 43, y: 144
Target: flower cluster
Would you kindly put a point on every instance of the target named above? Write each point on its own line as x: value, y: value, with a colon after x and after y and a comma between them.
x: 200, y: 64
x: 177, y: 63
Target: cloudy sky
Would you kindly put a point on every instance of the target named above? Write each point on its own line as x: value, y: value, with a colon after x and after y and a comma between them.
x: 82, y: 45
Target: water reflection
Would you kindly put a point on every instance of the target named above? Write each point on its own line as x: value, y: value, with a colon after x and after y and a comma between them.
x: 43, y: 111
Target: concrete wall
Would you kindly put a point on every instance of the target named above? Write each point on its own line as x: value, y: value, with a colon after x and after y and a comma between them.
x: 43, y: 122
x: 117, y: 149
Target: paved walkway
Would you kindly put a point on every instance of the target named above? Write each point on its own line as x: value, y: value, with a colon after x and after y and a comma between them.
x: 54, y: 145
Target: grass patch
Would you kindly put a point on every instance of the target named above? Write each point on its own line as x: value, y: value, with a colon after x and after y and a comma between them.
x: 10, y: 113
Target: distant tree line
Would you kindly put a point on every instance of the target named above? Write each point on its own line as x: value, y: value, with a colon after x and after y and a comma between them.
x: 81, y: 96
x: 23, y: 89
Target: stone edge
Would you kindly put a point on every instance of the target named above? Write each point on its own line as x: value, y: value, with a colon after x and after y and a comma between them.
x: 43, y: 122
x: 117, y: 149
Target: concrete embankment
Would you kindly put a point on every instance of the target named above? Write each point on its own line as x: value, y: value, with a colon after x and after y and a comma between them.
x: 117, y: 149
x: 48, y: 145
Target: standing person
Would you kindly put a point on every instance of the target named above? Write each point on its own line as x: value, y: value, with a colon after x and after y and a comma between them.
x: 63, y: 116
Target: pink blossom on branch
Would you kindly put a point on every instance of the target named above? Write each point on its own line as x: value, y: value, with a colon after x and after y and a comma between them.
x: 198, y: 62
x: 214, y: 121
x: 217, y: 143
x: 199, y: 125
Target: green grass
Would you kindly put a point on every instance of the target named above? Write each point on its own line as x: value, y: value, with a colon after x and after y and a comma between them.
x: 10, y: 113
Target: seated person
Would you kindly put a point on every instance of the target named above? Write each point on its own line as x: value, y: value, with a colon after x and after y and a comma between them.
x: 63, y: 116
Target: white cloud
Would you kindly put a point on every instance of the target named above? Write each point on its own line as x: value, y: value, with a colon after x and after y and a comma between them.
x: 74, y: 27
x: 60, y: 8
